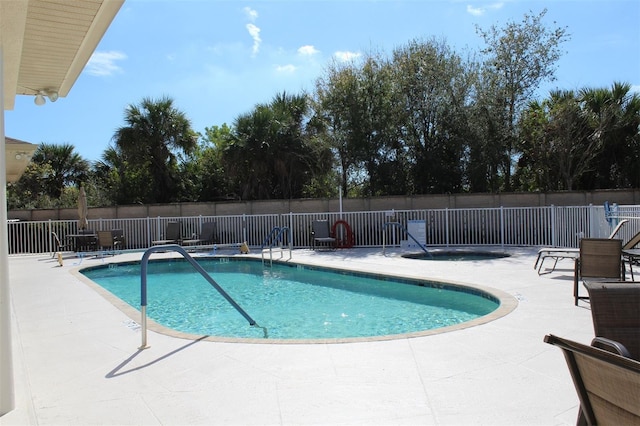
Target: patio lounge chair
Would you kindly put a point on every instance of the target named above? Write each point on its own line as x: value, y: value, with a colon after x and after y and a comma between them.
x: 600, y: 259
x: 608, y: 385
x: 321, y: 235
x: 632, y: 243
x: 207, y: 235
x: 172, y: 234
x: 631, y: 254
x: 560, y: 253
x: 616, y: 316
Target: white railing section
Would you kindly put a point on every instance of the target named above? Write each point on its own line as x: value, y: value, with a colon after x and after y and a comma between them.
x: 504, y: 226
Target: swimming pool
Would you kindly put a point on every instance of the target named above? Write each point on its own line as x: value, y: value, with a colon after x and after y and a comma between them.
x: 292, y: 302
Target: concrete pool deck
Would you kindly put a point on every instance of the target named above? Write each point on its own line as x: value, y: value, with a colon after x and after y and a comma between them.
x: 77, y: 362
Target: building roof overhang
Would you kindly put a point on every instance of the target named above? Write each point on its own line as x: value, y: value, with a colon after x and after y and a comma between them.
x: 46, y: 43
x: 44, y: 46
x: 17, y: 156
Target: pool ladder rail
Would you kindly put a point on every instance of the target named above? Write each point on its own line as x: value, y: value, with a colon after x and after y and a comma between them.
x: 275, y: 239
x: 143, y: 287
x: 401, y: 226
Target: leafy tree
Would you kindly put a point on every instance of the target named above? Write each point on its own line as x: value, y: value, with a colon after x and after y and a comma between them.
x: 207, y: 169
x: 433, y: 88
x: 154, y: 134
x: 486, y: 153
x: 29, y: 191
x: 336, y: 112
x: 518, y: 57
x: 355, y: 114
x: 534, y: 167
x: 398, y: 126
x: 120, y: 181
x: 381, y: 151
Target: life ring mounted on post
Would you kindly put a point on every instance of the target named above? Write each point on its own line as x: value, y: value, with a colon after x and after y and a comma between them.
x: 348, y: 240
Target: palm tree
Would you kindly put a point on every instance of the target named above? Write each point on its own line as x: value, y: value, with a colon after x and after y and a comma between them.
x: 270, y: 155
x: 614, y: 115
x: 60, y: 167
x: 154, y: 134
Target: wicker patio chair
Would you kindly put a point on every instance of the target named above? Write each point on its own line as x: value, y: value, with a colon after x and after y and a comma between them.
x: 172, y: 234
x: 600, y: 259
x: 608, y: 385
x: 107, y: 243
x: 615, y: 310
x: 321, y: 234
x: 207, y: 235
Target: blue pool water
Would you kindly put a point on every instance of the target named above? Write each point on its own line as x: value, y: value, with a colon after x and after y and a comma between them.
x: 290, y: 302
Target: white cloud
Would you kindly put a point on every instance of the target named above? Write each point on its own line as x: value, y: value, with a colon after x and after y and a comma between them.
x: 344, y: 56
x: 286, y: 69
x: 104, y: 63
x: 252, y: 14
x: 475, y: 11
x: 479, y: 11
x: 254, y: 32
x: 308, y: 50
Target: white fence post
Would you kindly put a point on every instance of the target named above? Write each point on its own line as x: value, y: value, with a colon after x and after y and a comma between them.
x: 554, y: 241
x: 502, y: 225
x: 446, y: 226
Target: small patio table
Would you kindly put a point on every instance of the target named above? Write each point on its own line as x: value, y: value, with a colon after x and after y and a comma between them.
x: 83, y: 242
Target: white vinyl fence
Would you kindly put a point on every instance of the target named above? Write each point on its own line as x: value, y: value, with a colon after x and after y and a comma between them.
x: 504, y: 226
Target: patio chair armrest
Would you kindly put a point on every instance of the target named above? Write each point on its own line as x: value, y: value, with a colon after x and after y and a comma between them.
x: 610, y: 346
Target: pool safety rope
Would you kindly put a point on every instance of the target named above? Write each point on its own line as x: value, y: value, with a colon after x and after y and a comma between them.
x: 348, y: 240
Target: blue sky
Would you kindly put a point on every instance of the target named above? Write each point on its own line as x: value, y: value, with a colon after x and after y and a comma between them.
x: 218, y: 59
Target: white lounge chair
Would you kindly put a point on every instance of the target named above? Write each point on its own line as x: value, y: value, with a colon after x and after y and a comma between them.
x: 560, y: 253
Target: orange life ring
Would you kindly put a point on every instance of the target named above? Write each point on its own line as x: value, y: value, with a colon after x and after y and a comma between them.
x: 346, y: 242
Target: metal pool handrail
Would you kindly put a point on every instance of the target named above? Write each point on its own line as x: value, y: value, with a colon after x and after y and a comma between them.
x: 399, y: 225
x: 279, y: 232
x: 143, y: 286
